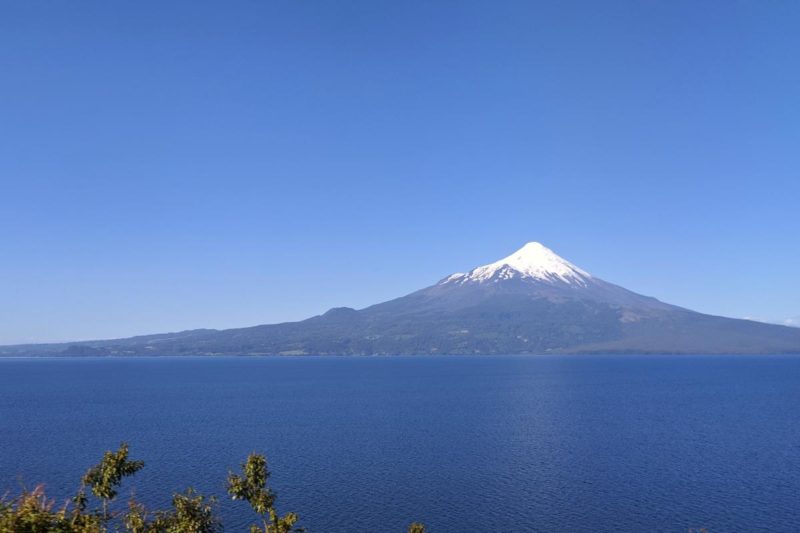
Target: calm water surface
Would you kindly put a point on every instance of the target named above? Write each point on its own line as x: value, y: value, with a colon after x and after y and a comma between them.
x: 464, y: 444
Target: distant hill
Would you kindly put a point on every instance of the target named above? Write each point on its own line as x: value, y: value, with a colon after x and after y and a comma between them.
x: 532, y: 301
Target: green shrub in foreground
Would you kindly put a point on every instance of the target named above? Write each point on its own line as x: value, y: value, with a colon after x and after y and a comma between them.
x: 33, y: 512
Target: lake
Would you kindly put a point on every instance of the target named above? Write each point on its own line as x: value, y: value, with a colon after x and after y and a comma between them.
x: 464, y: 444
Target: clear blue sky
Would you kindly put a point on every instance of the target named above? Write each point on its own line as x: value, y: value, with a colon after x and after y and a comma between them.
x: 174, y: 165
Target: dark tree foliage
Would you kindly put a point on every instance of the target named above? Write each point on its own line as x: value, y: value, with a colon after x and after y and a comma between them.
x: 105, y: 477
x: 251, y: 486
x: 33, y: 512
x: 191, y: 513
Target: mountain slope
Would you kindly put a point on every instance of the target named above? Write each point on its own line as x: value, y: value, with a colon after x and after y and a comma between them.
x: 532, y: 301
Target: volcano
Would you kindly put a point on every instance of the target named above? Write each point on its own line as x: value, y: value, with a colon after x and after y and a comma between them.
x: 531, y: 302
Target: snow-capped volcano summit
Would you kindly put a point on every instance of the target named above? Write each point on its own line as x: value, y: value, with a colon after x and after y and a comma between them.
x: 534, y: 260
x: 536, y: 272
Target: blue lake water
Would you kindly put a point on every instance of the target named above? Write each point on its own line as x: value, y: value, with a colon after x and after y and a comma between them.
x: 464, y: 444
